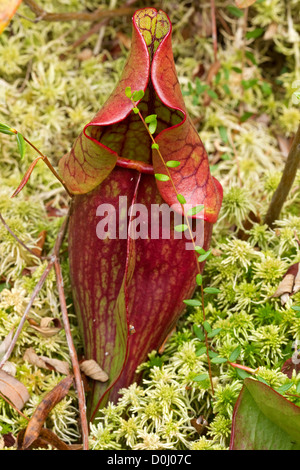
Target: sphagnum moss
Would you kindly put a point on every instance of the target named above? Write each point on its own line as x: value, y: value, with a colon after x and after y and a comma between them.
x: 49, y: 99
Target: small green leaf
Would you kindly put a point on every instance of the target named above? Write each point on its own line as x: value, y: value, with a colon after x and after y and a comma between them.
x: 226, y: 89
x: 235, y: 11
x: 150, y: 118
x: 181, y: 199
x: 218, y: 360
x: 212, y: 94
x: 214, y: 332
x: 152, y: 126
x: 135, y: 110
x: 249, y: 83
x: 21, y: 144
x: 201, y: 351
x: 155, y: 146
x: 204, y: 256
x: 4, y: 129
x: 192, y: 302
x: 207, y: 326
x: 256, y: 33
x: 138, y: 95
x: 296, y: 308
x: 180, y: 228
x: 200, y: 250
x: 195, y: 210
x: 199, y: 333
x: 128, y: 92
x: 211, y: 290
x: 161, y: 177
x: 242, y: 374
x: 199, y: 279
x: 251, y: 57
x: 200, y: 378
x: 246, y: 116
x: 212, y: 354
x: 223, y: 134
x: 298, y: 387
x: 237, y: 70
x: 283, y: 388
x: 173, y: 163
x: 235, y: 354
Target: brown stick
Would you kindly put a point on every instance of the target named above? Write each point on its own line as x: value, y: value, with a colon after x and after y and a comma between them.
x: 286, y: 182
x: 100, y: 14
x: 73, y: 355
x: 214, y: 29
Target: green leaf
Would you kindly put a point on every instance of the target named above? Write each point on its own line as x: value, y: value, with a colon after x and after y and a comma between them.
x: 200, y: 250
x: 128, y: 92
x: 242, y: 374
x: 152, y: 126
x: 214, y: 332
x: 223, y: 134
x: 180, y: 228
x: 283, y: 388
x: 212, y: 94
x: 150, y: 118
x: 161, y: 177
x: 235, y: 11
x: 138, y: 95
x: 218, y: 360
x: 246, y: 116
x: 212, y: 354
x: 4, y: 129
x: 249, y: 83
x: 256, y: 33
x: 173, y: 163
x: 21, y: 144
x: 201, y: 351
x: 192, y: 302
x: 181, y: 198
x: 4, y: 285
x: 226, y: 89
x: 207, y: 326
x: 235, y: 354
x: 195, y: 210
x: 155, y: 146
x: 204, y: 256
x: 211, y: 290
x: 135, y: 110
x: 200, y: 378
x: 296, y: 308
x: 264, y: 420
x: 199, y: 333
x: 199, y: 279
x: 251, y: 57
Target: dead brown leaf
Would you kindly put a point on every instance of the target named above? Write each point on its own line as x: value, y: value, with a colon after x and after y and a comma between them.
x: 290, y: 283
x: 45, y: 438
x: 45, y: 362
x: 45, y: 330
x: 37, y: 250
x: 5, y: 343
x: 93, y: 370
x: 13, y: 389
x: 41, y: 412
